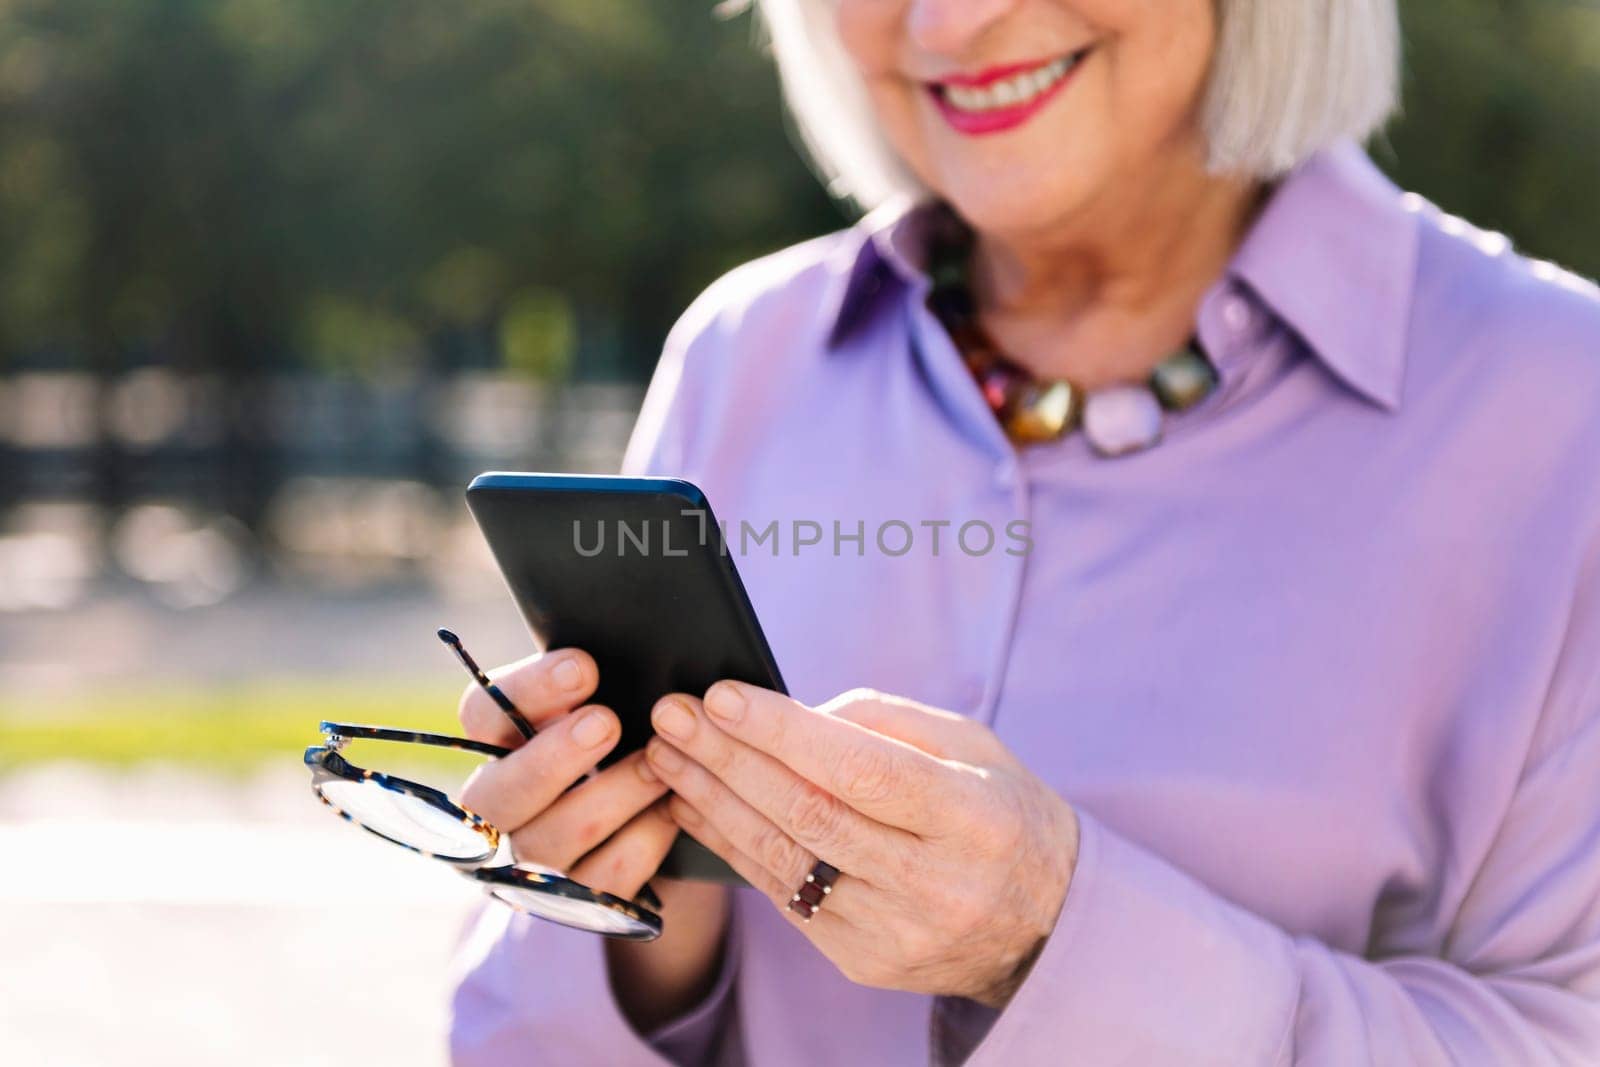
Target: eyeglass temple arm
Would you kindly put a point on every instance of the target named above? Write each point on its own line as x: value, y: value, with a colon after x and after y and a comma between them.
x: 524, y: 727
x: 349, y: 731
x: 496, y: 694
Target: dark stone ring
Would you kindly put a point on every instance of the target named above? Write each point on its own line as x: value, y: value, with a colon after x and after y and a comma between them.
x: 807, y: 900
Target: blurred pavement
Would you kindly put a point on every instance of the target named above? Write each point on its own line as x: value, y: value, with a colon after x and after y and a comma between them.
x: 156, y: 917
x: 122, y: 639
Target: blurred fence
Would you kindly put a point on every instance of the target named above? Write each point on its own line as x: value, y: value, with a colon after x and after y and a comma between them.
x: 191, y: 485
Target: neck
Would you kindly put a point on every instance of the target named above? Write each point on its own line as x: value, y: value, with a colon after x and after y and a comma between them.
x: 1104, y: 295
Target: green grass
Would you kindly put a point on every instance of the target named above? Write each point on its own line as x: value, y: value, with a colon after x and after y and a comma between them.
x: 233, y: 728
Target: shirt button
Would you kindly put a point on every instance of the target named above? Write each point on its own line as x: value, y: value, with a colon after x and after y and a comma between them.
x: 972, y: 696
x: 1236, y: 314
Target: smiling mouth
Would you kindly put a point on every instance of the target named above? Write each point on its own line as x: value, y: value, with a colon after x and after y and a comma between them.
x: 1002, y: 97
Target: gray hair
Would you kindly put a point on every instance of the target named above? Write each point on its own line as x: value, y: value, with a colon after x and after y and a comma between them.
x: 1289, y: 77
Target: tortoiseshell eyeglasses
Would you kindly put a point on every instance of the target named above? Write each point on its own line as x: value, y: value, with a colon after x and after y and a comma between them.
x: 426, y: 820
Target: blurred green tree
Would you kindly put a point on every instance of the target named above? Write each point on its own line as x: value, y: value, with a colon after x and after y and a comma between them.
x: 1501, y: 120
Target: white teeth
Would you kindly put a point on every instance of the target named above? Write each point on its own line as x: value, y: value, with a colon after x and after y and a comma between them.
x: 1017, y: 89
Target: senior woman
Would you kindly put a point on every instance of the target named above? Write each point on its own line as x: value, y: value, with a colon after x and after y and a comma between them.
x: 1263, y: 724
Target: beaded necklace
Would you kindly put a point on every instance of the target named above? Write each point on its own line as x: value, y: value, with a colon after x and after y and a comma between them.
x: 1116, y: 419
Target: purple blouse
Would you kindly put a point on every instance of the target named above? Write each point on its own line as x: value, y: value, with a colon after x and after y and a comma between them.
x: 1320, y: 673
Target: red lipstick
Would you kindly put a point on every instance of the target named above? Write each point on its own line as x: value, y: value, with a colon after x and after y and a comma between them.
x: 971, y: 106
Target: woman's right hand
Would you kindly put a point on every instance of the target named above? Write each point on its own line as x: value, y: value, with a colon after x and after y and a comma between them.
x: 610, y: 833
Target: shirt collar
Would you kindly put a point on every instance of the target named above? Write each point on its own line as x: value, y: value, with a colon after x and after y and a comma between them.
x: 885, y: 247
x: 1332, y: 256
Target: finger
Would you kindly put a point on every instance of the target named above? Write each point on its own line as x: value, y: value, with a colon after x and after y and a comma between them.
x: 631, y: 856
x: 943, y: 734
x: 542, y: 686
x: 704, y: 830
x: 878, y: 776
x: 749, y: 831
x: 511, y: 790
x: 720, y: 771
x: 584, y: 817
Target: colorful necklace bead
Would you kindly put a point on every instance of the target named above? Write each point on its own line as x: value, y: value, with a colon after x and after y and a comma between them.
x: 1116, y: 419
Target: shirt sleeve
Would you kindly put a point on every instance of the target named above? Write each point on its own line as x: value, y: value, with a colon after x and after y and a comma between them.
x: 659, y: 444
x: 530, y: 991
x: 707, y: 1034
x: 1148, y: 965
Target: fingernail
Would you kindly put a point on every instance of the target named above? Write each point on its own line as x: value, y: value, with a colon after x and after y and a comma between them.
x: 592, y: 729
x: 726, y: 702
x: 674, y: 720
x: 646, y: 771
x: 568, y: 674
x: 664, y: 756
x: 683, y: 814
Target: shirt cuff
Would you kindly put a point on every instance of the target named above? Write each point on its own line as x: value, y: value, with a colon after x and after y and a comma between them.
x: 527, y: 989
x: 1147, y: 965
x: 693, y: 1038
x: 954, y: 1027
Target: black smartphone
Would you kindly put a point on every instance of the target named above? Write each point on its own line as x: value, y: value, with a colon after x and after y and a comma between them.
x: 633, y: 571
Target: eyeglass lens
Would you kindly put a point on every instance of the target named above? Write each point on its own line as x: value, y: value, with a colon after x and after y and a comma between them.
x: 413, y: 821
x: 406, y: 819
x: 584, y: 914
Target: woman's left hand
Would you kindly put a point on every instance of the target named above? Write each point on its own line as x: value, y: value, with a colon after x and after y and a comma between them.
x: 954, y: 859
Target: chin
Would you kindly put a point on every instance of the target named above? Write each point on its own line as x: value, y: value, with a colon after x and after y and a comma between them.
x: 1019, y: 181
x: 1013, y: 201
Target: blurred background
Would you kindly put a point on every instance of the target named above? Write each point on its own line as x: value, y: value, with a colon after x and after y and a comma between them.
x: 277, y: 277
